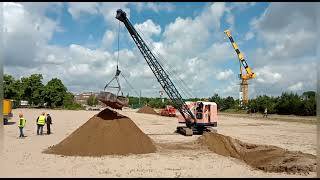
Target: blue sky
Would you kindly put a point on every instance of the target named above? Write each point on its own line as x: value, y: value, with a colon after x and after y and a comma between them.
x: 77, y: 42
x: 76, y: 32
x: 90, y: 30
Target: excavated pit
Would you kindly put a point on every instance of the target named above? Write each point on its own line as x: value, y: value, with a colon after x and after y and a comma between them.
x: 147, y: 110
x: 106, y: 133
x: 263, y: 157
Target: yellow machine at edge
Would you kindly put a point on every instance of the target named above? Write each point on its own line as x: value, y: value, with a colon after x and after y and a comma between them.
x: 7, y: 111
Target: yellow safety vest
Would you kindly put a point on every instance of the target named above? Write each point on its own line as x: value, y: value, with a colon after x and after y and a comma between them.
x: 22, y: 122
x: 42, y: 120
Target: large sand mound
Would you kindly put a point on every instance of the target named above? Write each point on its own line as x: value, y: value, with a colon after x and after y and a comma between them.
x: 267, y: 158
x: 147, y: 110
x: 104, y: 134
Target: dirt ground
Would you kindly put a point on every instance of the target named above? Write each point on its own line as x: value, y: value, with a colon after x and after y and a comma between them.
x: 24, y: 157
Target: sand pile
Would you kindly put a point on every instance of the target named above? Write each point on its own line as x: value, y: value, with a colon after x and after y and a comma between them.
x: 267, y: 158
x: 147, y: 110
x: 104, y: 134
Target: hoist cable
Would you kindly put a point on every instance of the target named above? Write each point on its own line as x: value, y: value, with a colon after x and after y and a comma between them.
x: 130, y: 84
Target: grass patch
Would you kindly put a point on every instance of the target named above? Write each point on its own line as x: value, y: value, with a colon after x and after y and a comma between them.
x: 74, y: 107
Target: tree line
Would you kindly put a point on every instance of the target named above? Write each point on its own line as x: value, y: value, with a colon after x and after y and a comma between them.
x: 287, y: 103
x: 53, y: 94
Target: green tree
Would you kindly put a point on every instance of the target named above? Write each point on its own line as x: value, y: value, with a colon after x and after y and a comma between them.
x: 55, y: 93
x: 217, y: 99
x: 265, y: 101
x: 289, y: 103
x: 92, y: 100
x: 68, y: 99
x: 227, y: 103
x: 32, y: 89
x: 157, y: 103
x: 309, y: 103
x: 11, y: 88
x: 252, y: 105
x: 69, y: 103
x: 308, y: 95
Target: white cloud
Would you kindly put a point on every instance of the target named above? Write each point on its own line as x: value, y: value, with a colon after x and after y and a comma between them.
x: 296, y: 87
x: 78, y: 8
x: 230, y: 20
x: 275, y: 79
x: 109, y: 9
x: 187, y: 42
x: 267, y: 75
x: 216, y: 11
x: 218, y: 52
x: 148, y: 28
x: 79, y: 69
x: 154, y: 6
x: 288, y: 56
x: 105, y: 9
x: 284, y: 58
x: 93, y: 67
x: 229, y: 88
x: 241, y: 6
x: 43, y: 7
x: 249, y: 35
x: 25, y: 34
x: 108, y: 39
x: 224, y: 75
x: 190, y: 48
x: 232, y: 88
x: 287, y: 36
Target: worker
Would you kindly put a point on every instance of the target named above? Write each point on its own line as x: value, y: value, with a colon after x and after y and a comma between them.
x: 41, y: 121
x: 49, y: 122
x: 206, y: 111
x: 265, y: 113
x: 22, y: 124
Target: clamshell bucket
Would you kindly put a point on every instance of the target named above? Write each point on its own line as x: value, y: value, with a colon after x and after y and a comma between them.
x: 112, y: 100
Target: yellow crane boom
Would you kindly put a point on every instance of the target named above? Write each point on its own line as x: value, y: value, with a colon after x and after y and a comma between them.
x: 249, y: 74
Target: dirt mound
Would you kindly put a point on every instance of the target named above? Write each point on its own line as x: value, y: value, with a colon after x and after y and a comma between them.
x: 104, y: 134
x: 147, y: 110
x: 267, y: 158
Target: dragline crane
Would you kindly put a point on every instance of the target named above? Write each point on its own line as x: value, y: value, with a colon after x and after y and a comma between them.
x: 196, y: 120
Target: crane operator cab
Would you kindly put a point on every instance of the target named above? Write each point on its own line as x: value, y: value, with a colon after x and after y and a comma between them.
x: 206, y: 114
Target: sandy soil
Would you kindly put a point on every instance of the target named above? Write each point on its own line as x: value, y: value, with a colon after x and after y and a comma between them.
x: 23, y: 157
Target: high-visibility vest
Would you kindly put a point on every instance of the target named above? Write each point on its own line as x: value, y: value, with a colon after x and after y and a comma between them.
x: 22, y: 122
x: 42, y: 120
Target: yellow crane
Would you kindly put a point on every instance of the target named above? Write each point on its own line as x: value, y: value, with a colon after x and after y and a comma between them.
x: 244, y: 77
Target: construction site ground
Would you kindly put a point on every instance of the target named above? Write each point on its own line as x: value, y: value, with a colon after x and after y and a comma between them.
x: 175, y: 155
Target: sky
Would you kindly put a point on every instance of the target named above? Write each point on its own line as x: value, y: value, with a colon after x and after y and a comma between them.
x: 77, y: 42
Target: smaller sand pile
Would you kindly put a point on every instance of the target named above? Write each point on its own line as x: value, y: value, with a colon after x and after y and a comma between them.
x: 267, y: 158
x: 105, y: 133
x: 147, y: 110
